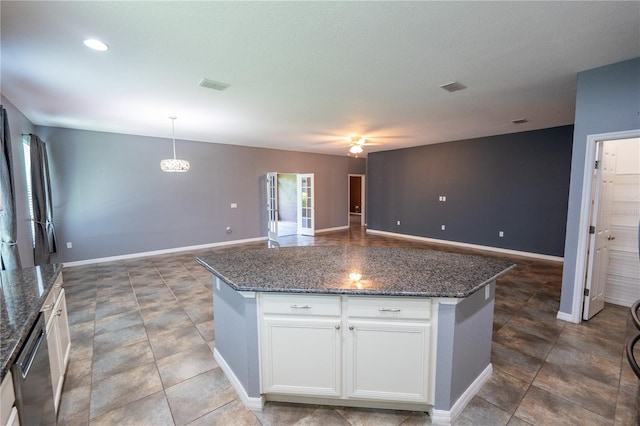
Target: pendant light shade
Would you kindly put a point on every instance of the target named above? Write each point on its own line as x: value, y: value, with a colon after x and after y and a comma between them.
x: 174, y: 164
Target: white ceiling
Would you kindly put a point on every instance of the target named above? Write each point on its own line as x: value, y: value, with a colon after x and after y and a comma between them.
x: 307, y: 75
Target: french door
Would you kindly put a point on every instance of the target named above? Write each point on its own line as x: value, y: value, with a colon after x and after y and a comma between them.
x: 306, y: 204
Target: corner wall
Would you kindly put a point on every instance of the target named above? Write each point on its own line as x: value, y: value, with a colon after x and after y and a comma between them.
x: 607, y: 100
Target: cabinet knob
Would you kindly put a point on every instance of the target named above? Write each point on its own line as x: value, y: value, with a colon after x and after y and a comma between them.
x: 337, y: 326
x: 59, y: 311
x: 350, y: 327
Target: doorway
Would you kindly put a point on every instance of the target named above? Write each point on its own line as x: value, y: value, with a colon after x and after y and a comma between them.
x: 290, y: 204
x: 611, y: 251
x: 357, y: 199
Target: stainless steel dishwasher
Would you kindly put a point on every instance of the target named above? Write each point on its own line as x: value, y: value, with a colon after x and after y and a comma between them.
x: 32, y: 379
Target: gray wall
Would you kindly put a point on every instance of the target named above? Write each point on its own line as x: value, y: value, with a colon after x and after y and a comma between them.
x: 517, y: 183
x: 19, y: 124
x: 607, y: 100
x: 111, y: 198
x: 236, y: 319
x: 464, y: 346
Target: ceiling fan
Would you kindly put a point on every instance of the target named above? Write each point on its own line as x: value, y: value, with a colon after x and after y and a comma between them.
x: 357, y: 142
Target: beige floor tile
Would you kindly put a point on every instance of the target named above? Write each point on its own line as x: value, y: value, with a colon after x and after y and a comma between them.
x: 540, y: 407
x: 195, y: 397
x: 185, y: 365
x: 233, y: 413
x: 120, y: 359
x: 152, y: 410
x: 123, y: 388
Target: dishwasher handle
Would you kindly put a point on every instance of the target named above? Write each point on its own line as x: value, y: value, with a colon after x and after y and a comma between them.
x: 29, y: 352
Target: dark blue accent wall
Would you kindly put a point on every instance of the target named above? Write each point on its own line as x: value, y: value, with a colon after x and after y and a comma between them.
x: 516, y: 183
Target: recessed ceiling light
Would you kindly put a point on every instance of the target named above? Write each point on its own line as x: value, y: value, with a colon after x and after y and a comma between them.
x: 94, y: 44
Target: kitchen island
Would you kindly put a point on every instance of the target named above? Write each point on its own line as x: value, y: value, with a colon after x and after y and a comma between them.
x: 380, y: 327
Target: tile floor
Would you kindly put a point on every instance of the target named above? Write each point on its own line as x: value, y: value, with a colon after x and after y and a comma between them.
x: 143, y: 332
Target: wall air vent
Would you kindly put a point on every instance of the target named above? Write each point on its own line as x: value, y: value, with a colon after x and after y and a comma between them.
x: 212, y: 84
x: 453, y: 86
x: 520, y: 121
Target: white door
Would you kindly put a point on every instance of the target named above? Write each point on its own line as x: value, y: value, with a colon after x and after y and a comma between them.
x: 306, y: 205
x: 272, y: 206
x: 598, y: 261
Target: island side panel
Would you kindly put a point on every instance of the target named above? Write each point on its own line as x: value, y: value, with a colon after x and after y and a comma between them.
x: 464, y: 345
x: 236, y: 328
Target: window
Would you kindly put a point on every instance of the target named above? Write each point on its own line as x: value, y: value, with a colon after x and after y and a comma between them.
x: 27, y: 171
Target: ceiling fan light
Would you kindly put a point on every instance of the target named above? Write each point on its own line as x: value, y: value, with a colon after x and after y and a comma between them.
x: 355, y: 149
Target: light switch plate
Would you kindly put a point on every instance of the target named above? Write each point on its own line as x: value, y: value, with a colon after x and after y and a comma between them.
x: 487, y: 292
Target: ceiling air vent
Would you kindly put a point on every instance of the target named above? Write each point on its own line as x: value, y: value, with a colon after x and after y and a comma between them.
x: 453, y: 86
x: 212, y: 84
x: 520, y: 121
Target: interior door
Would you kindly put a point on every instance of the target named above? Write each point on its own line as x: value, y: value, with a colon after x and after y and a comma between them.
x: 598, y: 260
x: 272, y: 206
x: 306, y: 204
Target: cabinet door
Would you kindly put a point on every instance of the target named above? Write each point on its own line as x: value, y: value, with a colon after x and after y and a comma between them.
x: 388, y: 361
x: 301, y: 356
x: 63, y: 331
x: 55, y: 364
x: 59, y: 343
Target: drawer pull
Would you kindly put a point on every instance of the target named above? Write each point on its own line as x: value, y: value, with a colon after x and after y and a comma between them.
x: 389, y: 309
x: 301, y: 306
x: 47, y: 308
x: 59, y: 311
x: 337, y: 326
x: 350, y: 327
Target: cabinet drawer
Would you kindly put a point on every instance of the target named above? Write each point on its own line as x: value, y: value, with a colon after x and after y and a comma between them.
x: 300, y: 304
x: 389, y: 307
x: 52, y: 298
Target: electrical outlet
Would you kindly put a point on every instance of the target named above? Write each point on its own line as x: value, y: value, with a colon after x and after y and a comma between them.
x: 69, y: 244
x: 501, y: 234
x: 398, y: 223
x: 442, y: 227
x: 444, y: 198
x: 234, y: 205
x: 487, y: 292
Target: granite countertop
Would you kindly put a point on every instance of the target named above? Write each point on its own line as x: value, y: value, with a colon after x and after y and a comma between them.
x: 385, y: 271
x: 24, y: 292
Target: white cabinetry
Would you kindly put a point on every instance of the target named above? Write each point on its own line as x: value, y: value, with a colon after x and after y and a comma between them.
x: 58, y: 339
x: 8, y: 411
x: 389, y: 349
x: 357, y: 348
x: 301, y: 345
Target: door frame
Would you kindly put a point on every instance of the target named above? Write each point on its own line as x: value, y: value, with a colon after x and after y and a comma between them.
x: 363, y: 221
x: 585, y: 216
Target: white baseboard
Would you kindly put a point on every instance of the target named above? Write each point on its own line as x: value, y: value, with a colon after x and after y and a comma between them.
x: 165, y: 251
x: 253, y: 404
x: 467, y: 245
x: 568, y: 317
x: 447, y: 417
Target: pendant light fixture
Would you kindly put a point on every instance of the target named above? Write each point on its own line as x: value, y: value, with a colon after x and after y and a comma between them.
x: 174, y: 164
